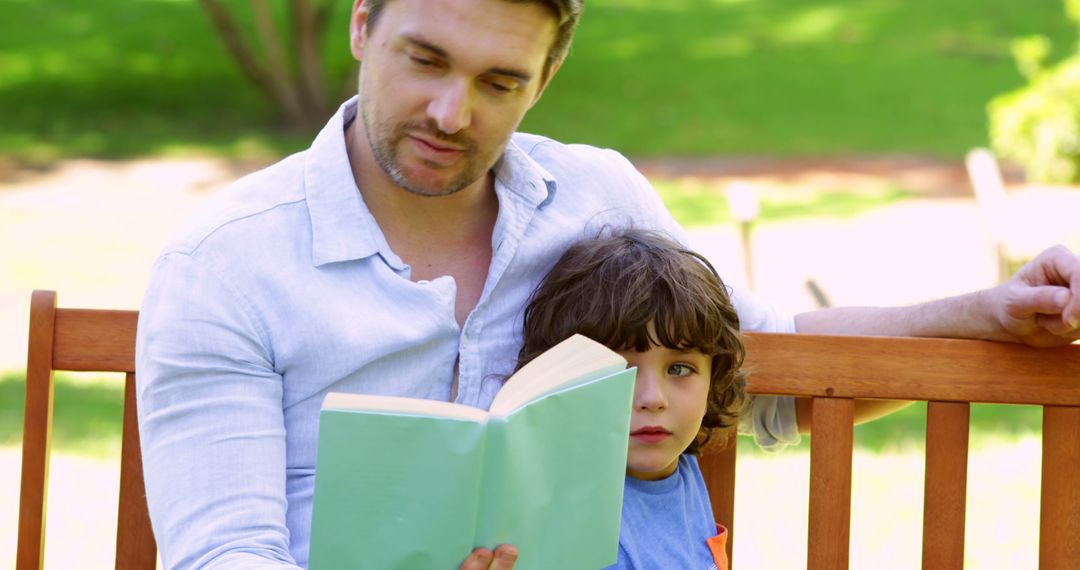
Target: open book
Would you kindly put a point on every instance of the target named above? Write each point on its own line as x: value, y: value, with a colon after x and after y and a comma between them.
x: 408, y: 483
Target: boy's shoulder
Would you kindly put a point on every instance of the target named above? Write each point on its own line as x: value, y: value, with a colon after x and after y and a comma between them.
x: 667, y: 523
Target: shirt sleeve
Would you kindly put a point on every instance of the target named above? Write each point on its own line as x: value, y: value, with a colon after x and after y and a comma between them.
x: 770, y: 420
x: 211, y: 423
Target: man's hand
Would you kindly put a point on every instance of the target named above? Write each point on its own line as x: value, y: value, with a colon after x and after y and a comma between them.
x: 1040, y: 304
x: 503, y: 558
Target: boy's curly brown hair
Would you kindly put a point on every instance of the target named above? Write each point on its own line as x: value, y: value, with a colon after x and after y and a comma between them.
x: 611, y: 287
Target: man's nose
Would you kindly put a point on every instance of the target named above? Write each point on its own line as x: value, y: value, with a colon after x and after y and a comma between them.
x: 451, y: 107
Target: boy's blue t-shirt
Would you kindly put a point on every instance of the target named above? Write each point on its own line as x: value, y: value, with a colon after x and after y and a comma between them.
x: 667, y: 523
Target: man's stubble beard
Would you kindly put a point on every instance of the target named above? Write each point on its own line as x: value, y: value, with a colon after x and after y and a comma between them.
x: 385, y: 140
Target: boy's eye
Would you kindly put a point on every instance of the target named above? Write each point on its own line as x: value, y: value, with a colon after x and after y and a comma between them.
x: 680, y: 370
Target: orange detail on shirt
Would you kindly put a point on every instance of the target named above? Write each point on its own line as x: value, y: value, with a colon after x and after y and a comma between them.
x: 718, y: 547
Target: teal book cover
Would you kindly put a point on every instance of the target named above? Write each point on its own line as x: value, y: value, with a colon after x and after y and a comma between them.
x: 406, y: 483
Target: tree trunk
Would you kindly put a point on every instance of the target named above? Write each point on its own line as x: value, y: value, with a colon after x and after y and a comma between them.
x: 287, y: 70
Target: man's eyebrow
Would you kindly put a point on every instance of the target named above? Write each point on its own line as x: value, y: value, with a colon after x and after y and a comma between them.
x: 418, y: 42
x: 519, y: 74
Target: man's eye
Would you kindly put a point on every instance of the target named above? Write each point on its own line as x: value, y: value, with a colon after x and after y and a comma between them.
x: 502, y: 86
x: 422, y: 61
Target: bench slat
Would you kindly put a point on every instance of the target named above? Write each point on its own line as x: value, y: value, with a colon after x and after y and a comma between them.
x: 945, y: 498
x: 1059, y: 524
x: 93, y: 340
x: 830, y: 483
x: 718, y: 470
x: 135, y: 545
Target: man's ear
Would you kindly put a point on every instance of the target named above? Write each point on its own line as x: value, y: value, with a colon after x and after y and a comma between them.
x: 547, y: 80
x: 358, y: 29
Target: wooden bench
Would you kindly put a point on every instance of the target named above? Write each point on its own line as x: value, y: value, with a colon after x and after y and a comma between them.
x: 949, y: 374
x: 92, y: 341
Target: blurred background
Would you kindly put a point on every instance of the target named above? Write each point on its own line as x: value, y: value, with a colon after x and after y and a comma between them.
x: 819, y: 152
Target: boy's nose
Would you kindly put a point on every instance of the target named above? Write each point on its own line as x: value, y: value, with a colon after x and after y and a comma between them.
x: 450, y: 108
x: 649, y: 392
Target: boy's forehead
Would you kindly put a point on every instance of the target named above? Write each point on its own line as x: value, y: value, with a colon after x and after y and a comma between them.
x: 648, y: 338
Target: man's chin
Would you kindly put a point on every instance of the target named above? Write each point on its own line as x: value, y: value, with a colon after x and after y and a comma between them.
x: 424, y: 184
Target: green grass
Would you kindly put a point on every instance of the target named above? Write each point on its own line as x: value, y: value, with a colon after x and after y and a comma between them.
x: 88, y: 412
x: 119, y: 79
x: 989, y: 422
x: 774, y: 76
x: 906, y: 429
x: 695, y: 204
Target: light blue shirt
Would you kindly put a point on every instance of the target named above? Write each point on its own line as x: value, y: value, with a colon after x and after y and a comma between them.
x: 286, y: 289
x: 666, y: 523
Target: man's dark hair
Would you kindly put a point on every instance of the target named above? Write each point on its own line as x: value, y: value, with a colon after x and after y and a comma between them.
x: 611, y: 287
x: 566, y: 12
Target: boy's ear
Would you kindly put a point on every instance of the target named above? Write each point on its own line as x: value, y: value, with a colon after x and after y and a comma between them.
x: 358, y: 29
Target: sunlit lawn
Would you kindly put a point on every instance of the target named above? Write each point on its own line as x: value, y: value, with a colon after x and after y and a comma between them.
x: 1002, y: 519
x: 770, y: 522
x: 699, y: 202
x: 88, y: 408
x: 887, y: 502
x: 119, y: 79
x: 774, y: 76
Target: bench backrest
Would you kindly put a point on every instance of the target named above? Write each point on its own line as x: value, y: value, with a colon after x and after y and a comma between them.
x: 949, y: 375
x: 79, y: 340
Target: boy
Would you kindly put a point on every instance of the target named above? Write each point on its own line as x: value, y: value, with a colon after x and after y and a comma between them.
x: 666, y: 311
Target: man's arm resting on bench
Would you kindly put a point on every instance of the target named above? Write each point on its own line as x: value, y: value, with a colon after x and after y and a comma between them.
x: 1038, y: 306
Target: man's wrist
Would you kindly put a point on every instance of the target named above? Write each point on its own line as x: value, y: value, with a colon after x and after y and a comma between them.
x: 983, y: 319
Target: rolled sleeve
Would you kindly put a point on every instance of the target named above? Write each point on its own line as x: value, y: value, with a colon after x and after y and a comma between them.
x: 771, y: 420
x: 211, y: 423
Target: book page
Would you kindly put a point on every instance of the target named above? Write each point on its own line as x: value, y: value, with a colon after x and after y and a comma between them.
x: 574, y: 361
x: 401, y: 406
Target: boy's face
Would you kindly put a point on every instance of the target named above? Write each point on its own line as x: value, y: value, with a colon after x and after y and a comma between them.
x: 670, y: 397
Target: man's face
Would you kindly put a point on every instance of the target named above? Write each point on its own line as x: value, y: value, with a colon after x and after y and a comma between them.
x: 444, y: 83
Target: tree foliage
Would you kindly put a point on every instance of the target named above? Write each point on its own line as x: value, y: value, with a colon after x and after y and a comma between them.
x: 1038, y: 125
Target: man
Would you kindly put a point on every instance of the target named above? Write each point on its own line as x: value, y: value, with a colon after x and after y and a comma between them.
x: 395, y: 257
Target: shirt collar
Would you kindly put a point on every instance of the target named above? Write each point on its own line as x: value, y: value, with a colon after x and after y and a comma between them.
x: 343, y: 228
x: 524, y: 177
